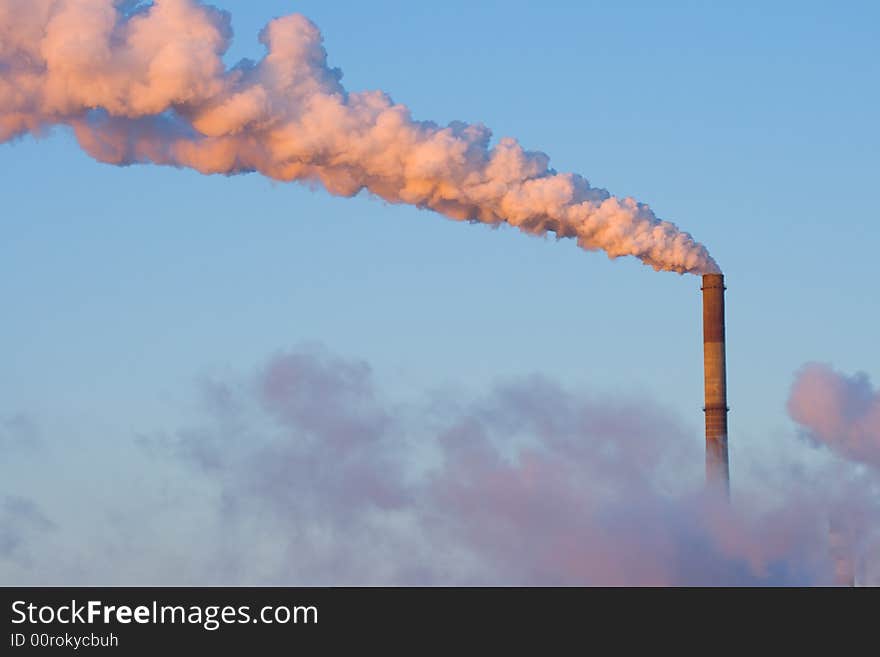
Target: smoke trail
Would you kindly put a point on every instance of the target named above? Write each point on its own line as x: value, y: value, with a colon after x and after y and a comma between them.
x: 146, y: 83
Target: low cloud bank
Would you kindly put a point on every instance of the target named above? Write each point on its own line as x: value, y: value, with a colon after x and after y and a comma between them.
x: 304, y: 473
x: 528, y: 484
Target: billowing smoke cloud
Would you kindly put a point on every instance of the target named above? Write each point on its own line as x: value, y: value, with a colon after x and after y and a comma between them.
x: 145, y: 82
x: 838, y: 411
x: 305, y: 474
x: 528, y: 484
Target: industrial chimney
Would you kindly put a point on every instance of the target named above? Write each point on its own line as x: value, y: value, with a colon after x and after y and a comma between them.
x: 715, y: 374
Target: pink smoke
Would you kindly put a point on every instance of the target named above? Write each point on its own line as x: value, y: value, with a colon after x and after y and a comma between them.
x: 150, y: 86
x: 529, y: 484
x: 838, y: 411
x: 304, y: 473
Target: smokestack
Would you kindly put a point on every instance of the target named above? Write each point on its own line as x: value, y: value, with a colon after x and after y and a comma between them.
x: 715, y: 375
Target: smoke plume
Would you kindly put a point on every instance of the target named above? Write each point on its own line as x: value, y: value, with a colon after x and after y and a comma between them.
x: 838, y: 411
x: 145, y: 82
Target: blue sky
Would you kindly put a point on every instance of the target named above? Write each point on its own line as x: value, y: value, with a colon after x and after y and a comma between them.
x: 753, y: 127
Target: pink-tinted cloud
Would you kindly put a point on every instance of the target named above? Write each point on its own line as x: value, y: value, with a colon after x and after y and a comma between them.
x: 838, y: 411
x: 150, y: 85
x: 529, y: 484
x: 304, y: 473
